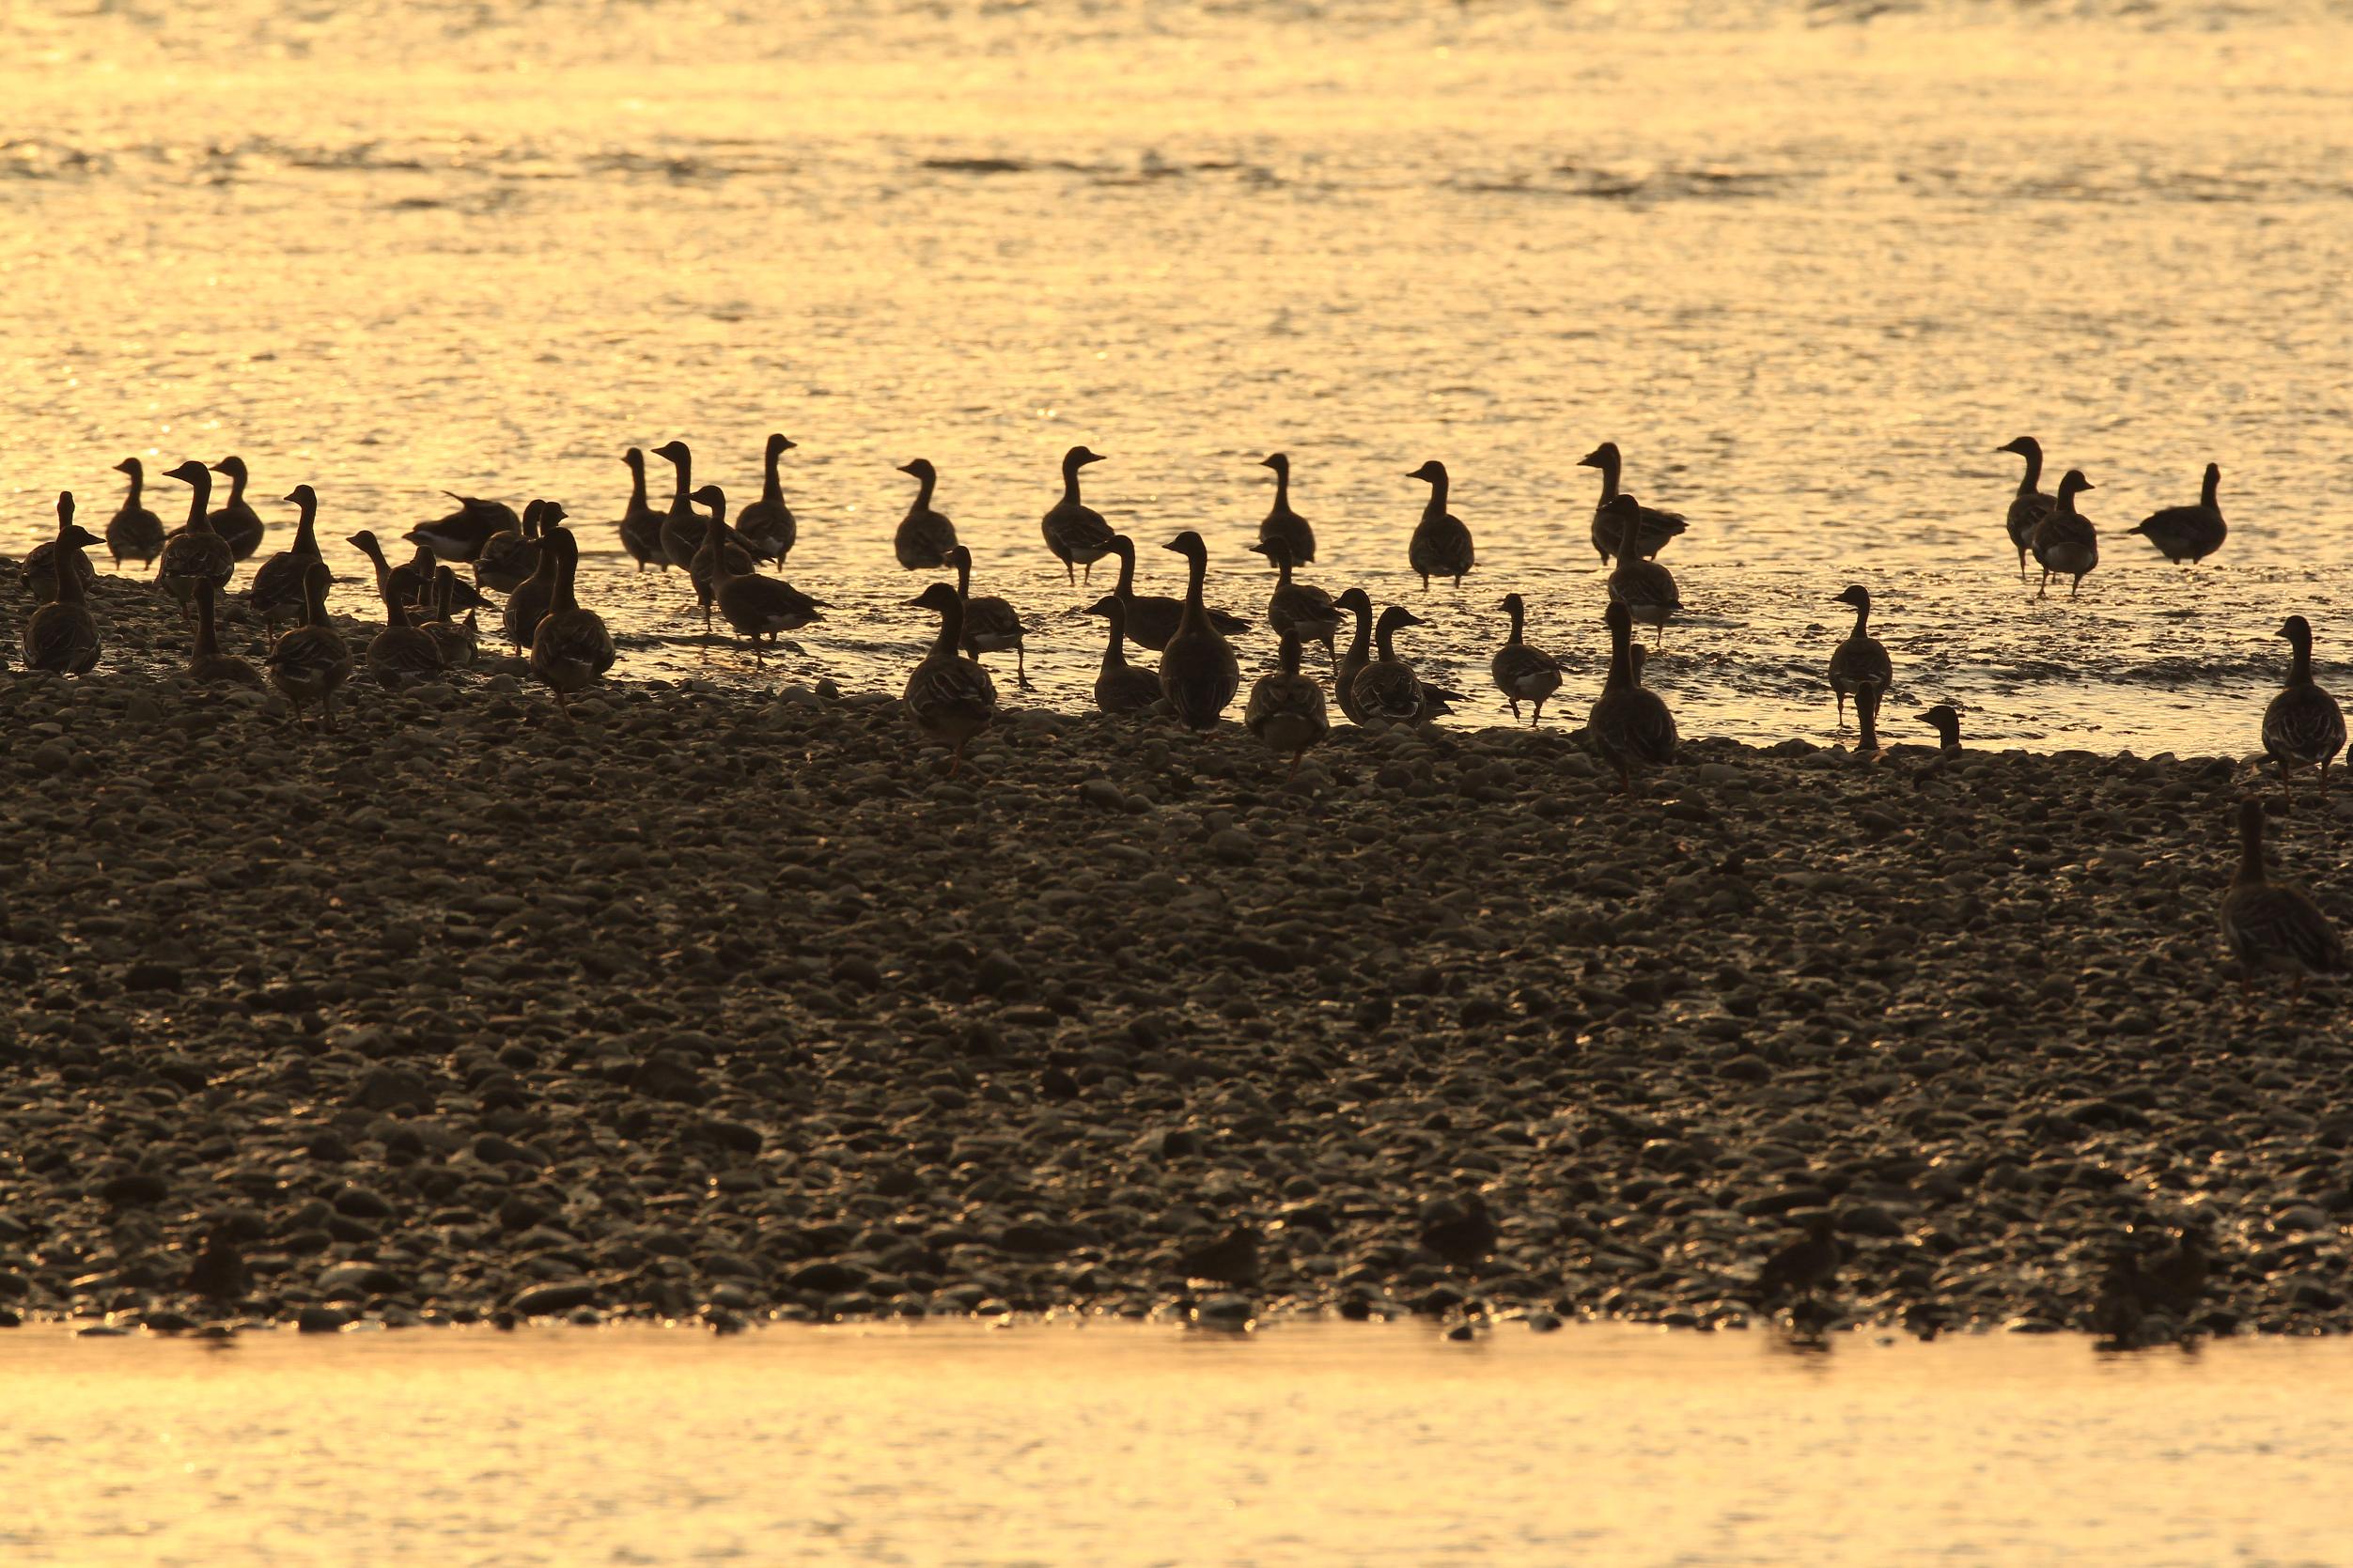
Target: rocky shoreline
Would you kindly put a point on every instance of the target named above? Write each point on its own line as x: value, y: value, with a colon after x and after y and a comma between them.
x: 726, y: 1006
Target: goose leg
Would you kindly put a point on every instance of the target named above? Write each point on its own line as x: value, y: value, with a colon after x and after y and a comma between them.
x: 1297, y: 757
x: 1842, y: 706
x: 1514, y: 706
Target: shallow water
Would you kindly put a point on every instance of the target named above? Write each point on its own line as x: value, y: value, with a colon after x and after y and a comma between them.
x: 1121, y: 1445
x: 1808, y: 266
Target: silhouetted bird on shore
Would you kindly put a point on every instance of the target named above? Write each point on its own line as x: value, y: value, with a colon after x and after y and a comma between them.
x: 218, y: 1273
x: 1804, y: 1265
x: 1458, y: 1228
x: 1231, y: 1259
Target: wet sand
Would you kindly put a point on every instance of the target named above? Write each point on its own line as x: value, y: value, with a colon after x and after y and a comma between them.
x: 724, y: 1004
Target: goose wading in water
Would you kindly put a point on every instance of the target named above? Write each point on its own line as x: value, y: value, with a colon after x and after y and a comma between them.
x: 766, y: 526
x: 1356, y: 602
x: 1300, y: 608
x: 1868, y: 719
x: 1285, y: 710
x: 2302, y: 726
x: 459, y: 536
x: 1153, y: 618
x: 1861, y: 660
x: 62, y: 637
x: 1629, y: 724
x: 194, y: 551
x: 923, y: 536
x: 1119, y: 686
x: 237, y: 521
x: 683, y: 530
x: 207, y: 663
x: 1644, y: 587
x: 950, y: 697
x: 990, y: 625
x: 716, y: 553
x: 1199, y: 674
x: 527, y: 606
x: 277, y: 593
x: 510, y: 556
x: 1075, y: 532
x: 310, y: 661
x: 1441, y: 546
x: 2066, y: 542
x: 571, y: 651
x: 1387, y: 689
x: 757, y: 608
x: 134, y: 533
x: 2271, y: 926
x: 1657, y: 528
x: 2187, y: 534
x: 641, y: 525
x: 2031, y: 505
x: 1521, y: 672
x: 1283, y: 526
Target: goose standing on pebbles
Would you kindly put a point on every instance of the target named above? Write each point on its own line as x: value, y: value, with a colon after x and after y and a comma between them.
x: 38, y: 571
x: 2272, y: 925
x: 61, y: 636
x: 401, y: 655
x: 527, y: 606
x: 2066, y: 542
x: 237, y: 521
x: 1285, y: 710
x: 1299, y: 608
x: 924, y: 536
x: 1868, y: 719
x: 460, y: 535
x: 134, y: 533
x: 277, y: 593
x: 949, y: 696
x: 1946, y: 722
x: 1861, y: 659
x: 990, y: 625
x: 2030, y: 507
x: 717, y: 554
x: 1356, y: 602
x: 1199, y: 674
x: 510, y: 556
x: 1629, y: 725
x: 1387, y: 689
x: 1441, y: 546
x: 1075, y: 532
x: 1523, y: 672
x: 457, y: 640
x: 194, y: 551
x: 208, y: 664
x: 1644, y: 587
x: 1119, y: 686
x: 1657, y: 528
x: 641, y: 525
x: 1153, y: 618
x: 2187, y: 534
x: 766, y: 526
x: 1283, y: 526
x: 311, y: 660
x: 2302, y: 727
x: 571, y: 651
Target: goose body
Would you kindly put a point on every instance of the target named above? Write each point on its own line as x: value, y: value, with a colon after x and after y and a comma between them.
x: 195, y: 550
x: 2272, y: 925
x: 527, y: 606
x: 766, y: 526
x: 641, y: 525
x: 459, y: 536
x: 1153, y: 618
x: 1644, y: 587
x: 571, y: 651
x: 2030, y: 505
x: 309, y: 662
x: 755, y: 607
x: 1628, y: 724
x: 208, y: 664
x: 1285, y: 710
x: 1119, y: 686
x: 1441, y: 546
x: 717, y: 554
x: 1199, y: 674
x: 457, y: 640
x: 1283, y: 526
x: 277, y: 593
x: 510, y: 556
x: 237, y: 521
x: 1860, y: 660
x: 62, y: 637
x: 1075, y: 532
x: 1387, y: 691
x: 38, y: 571
x: 949, y: 697
x: 1356, y: 602
x: 2302, y: 726
x: 990, y: 625
x: 2187, y: 534
x: 2066, y: 543
x: 1521, y: 672
x: 1304, y: 611
x: 924, y: 536
x: 134, y: 533
x: 1657, y: 529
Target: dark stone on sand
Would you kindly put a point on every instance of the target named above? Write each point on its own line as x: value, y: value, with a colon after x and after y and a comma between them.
x: 829, y: 1277
x: 152, y: 977
x: 554, y: 1299
x: 135, y: 1189
x: 320, y: 1320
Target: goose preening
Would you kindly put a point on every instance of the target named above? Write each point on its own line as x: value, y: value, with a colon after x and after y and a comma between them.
x: 641, y: 525
x: 1861, y: 660
x: 716, y: 554
x: 990, y: 625
x: 310, y: 661
x: 134, y: 533
x: 207, y: 663
x: 2302, y: 727
x: 1299, y: 608
x: 1523, y: 672
x: 924, y: 536
x: 1441, y: 546
x: 194, y: 551
x: 2065, y: 542
x: 237, y: 521
x: 1199, y: 674
x: 62, y: 637
x: 1657, y: 528
x: 2272, y: 925
x: 1387, y: 691
x: 571, y: 651
x: 766, y: 526
x: 510, y: 556
x: 2030, y: 507
x: 1285, y: 710
x: 1283, y: 526
x: 2187, y: 534
x: 950, y: 697
x: 1075, y: 532
x: 1644, y: 587
x: 1356, y: 602
x: 1119, y: 686
x: 459, y: 536
x: 277, y: 593
x: 1630, y: 723
x: 1153, y: 618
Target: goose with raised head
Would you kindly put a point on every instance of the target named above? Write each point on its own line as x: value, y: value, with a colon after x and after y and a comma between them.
x: 309, y: 662
x: 1946, y: 720
x: 237, y: 521
x: 1285, y: 710
x: 571, y: 649
x: 194, y: 551
x: 1441, y: 546
x: 1199, y: 674
x: 134, y: 533
x: 390, y: 583
x: 1521, y: 671
x: 1387, y: 691
x: 641, y: 525
x: 1356, y: 602
x: 1644, y: 587
x: 1629, y: 725
x: 1282, y: 525
x: 682, y: 528
x: 1861, y: 660
x: 766, y: 526
x: 950, y: 697
x: 2302, y: 727
x: 717, y: 555
x: 458, y: 537
x: 511, y: 555
x: 404, y: 654
x: 2031, y: 504
x: 991, y: 624
x: 1153, y: 618
x: 61, y: 636
x: 2187, y: 534
x: 1119, y: 686
x: 1299, y: 608
x: 2066, y: 543
x: 1075, y: 532
x: 458, y: 641
x: 207, y: 663
x: 2272, y: 925
x: 757, y: 608
x: 38, y: 571
x: 527, y: 606
x: 277, y: 593
x: 924, y: 536
x: 1657, y: 528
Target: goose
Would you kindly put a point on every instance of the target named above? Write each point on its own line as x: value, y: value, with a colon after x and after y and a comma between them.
x: 1360, y: 654
x: 924, y: 536
x: 38, y: 571
x: 414, y: 581
x: 1629, y: 723
x: 1521, y: 671
x: 1283, y: 526
x: 2302, y: 727
x: 1803, y: 1265
x: 1441, y: 546
x: 391, y: 582
x: 1199, y: 674
x: 527, y: 606
x: 716, y: 554
x: 990, y: 625
x: 641, y: 525
x: 1657, y: 528
x: 766, y: 526
x: 402, y: 653
x: 757, y: 608
x: 511, y: 555
x: 950, y: 697
x: 237, y: 521
x: 194, y: 551
x: 310, y: 661
x: 208, y: 664
x: 1285, y: 710
x: 1299, y: 607
x: 1946, y: 722
x: 277, y: 593
x: 1075, y: 532
x: 570, y: 650
x: 1387, y: 688
x: 2272, y: 925
x: 1153, y: 618
x: 2030, y: 507
x: 1644, y: 587
x: 1119, y: 686
x: 1861, y: 660
x: 2066, y: 542
x: 458, y: 641
x: 61, y: 636
x: 459, y: 536
x: 134, y: 533
x: 2187, y: 534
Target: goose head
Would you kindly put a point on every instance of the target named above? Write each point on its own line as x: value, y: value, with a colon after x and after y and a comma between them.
x: 920, y: 467
x: 233, y: 466
x: 1277, y: 461
x: 714, y: 498
x: 940, y: 598
x: 69, y: 531
x: 1513, y: 605
x: 189, y: 473
x: 674, y: 453
x: 551, y: 513
x: 2025, y: 446
x: 956, y: 558
x: 1618, y: 619
x: 635, y: 459
x: 2297, y: 629
x: 1078, y: 458
x: 1277, y: 551
x: 129, y: 465
x: 1397, y: 617
x: 1621, y: 507
x: 303, y: 497
x: 778, y: 445
x: 1856, y: 596
x: 2074, y: 484
x: 1943, y: 720
x: 1356, y: 600
x: 1603, y: 456
x: 1109, y: 604
x: 1431, y: 472
x: 1188, y: 544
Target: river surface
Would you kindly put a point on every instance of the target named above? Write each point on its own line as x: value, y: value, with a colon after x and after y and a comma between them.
x: 1808, y: 265
x: 1117, y: 1446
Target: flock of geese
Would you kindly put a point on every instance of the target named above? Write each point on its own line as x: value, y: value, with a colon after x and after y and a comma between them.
x: 532, y: 560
